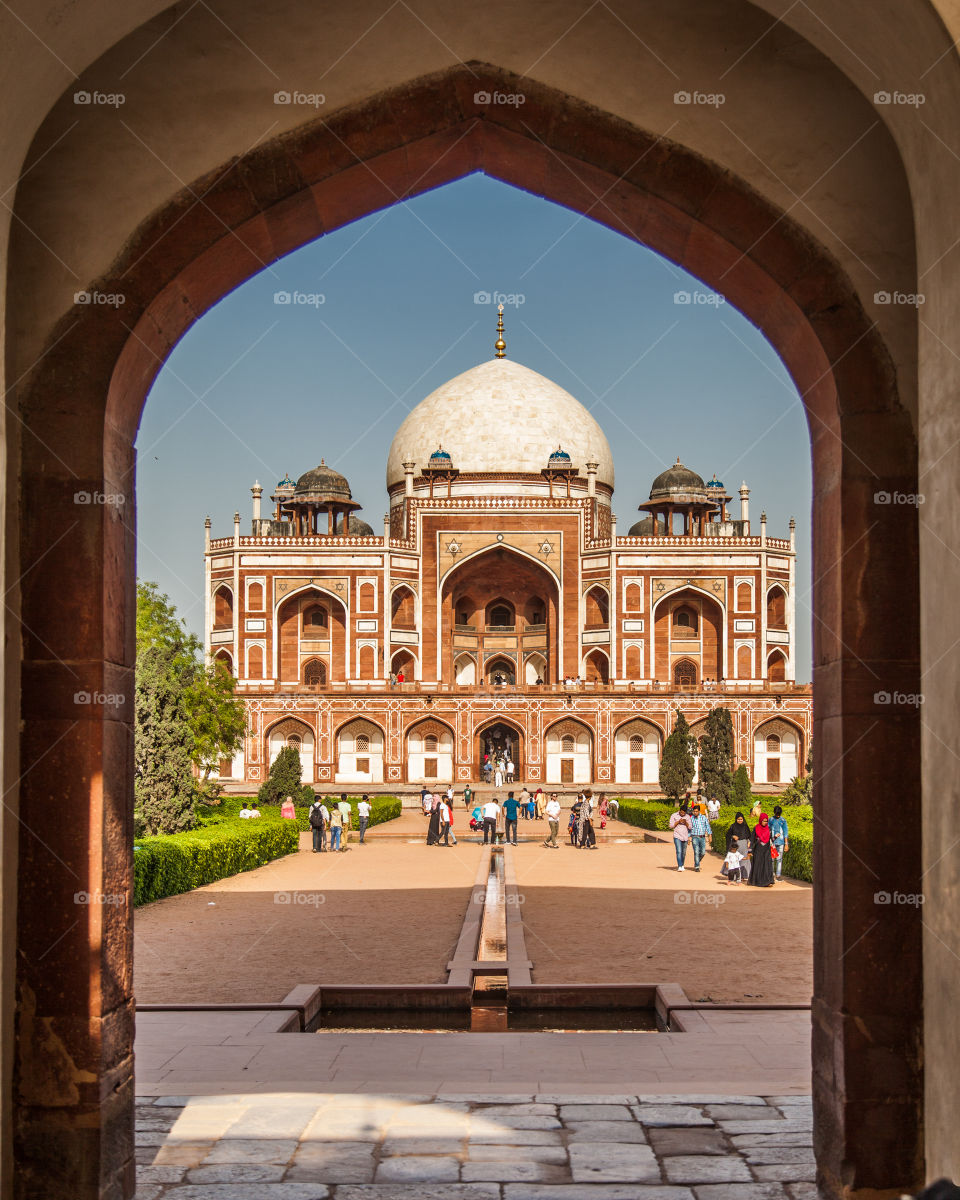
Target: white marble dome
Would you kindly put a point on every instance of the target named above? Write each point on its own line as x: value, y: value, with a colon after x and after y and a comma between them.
x: 500, y: 417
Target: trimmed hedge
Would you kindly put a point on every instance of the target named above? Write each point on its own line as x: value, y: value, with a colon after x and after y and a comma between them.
x: 797, y: 862
x: 224, y: 844
x: 180, y: 862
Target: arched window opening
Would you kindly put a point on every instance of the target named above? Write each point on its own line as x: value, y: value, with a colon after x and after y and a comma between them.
x: 500, y: 616
x: 777, y: 668
x: 596, y: 609
x: 363, y: 743
x: 744, y: 597
x: 223, y: 609
x: 255, y: 597
x: 315, y: 673
x: 773, y: 744
x: 431, y: 743
x: 633, y: 601
x: 776, y: 609
x: 567, y: 744
x: 403, y: 609
x: 685, y: 622
x: 636, y: 744
x: 314, y: 620
x: 685, y: 674
x: 367, y: 597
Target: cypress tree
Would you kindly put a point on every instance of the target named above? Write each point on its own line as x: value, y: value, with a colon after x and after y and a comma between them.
x: 164, y: 790
x: 284, y: 778
x: 716, y: 755
x: 677, y: 765
x: 740, y: 794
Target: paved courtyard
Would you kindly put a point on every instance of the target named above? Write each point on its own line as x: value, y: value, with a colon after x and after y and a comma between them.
x: 475, y: 1146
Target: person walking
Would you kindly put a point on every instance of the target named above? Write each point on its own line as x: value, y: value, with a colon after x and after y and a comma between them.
x: 553, y: 820
x: 491, y: 810
x: 363, y: 815
x: 498, y: 775
x: 510, y: 769
x: 445, y: 821
x: 680, y: 823
x: 467, y: 796
x: 588, y: 838
x: 733, y: 862
x: 538, y: 803
x: 700, y: 836
x: 346, y: 814
x: 573, y: 825
x: 739, y: 832
x: 510, y: 807
x: 613, y: 808
x: 761, y: 867
x: 433, y: 829
x: 780, y: 837
x: 336, y: 827
x: 318, y: 826
x: 524, y: 802
x: 713, y: 808
x: 450, y: 793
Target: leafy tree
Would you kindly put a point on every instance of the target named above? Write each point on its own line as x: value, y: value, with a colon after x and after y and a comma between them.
x: 284, y: 780
x: 740, y: 794
x: 164, y: 788
x: 798, y: 791
x: 217, y: 719
x: 716, y: 754
x: 677, y: 764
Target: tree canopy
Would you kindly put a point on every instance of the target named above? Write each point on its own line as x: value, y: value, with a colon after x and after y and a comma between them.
x: 677, y: 764
x: 716, y: 754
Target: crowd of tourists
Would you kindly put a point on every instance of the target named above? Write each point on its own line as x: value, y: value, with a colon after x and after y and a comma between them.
x: 752, y: 856
x: 330, y: 820
x: 498, y: 819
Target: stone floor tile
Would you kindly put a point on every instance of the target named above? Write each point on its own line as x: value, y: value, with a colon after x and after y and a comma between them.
x: 781, y: 1126
x: 741, y: 1191
x: 516, y: 1137
x: 788, y: 1172
x: 504, y: 1154
x: 595, y: 1112
x: 414, y: 1168
x: 144, y: 1101
x: 608, y: 1162
x: 273, y: 1121
x: 705, y: 1168
x: 790, y: 1101
x: 275, y: 1151
x: 182, y: 1154
x: 533, y: 1109
x: 802, y: 1191
x: 742, y: 1112
x: 514, y: 1172
x: 606, y: 1131
x: 778, y: 1154
x: 421, y: 1145
x: 236, y: 1173
x: 698, y: 1099
x: 577, y: 1098
x: 595, y: 1191
x: 485, y: 1097
x: 171, y: 1101
x: 249, y: 1191
x: 162, y: 1174
x: 150, y: 1137
x: 686, y: 1141
x: 420, y: 1191
x: 480, y: 1120
x: 149, y: 1191
x: 670, y: 1114
x: 749, y: 1141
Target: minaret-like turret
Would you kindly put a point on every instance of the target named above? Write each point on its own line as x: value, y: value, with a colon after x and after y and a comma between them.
x: 745, y: 508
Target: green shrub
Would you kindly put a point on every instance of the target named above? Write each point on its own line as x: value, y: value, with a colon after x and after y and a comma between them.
x: 284, y: 778
x: 797, y: 862
x: 740, y: 796
x: 180, y: 862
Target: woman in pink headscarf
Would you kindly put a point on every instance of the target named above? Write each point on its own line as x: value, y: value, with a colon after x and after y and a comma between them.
x: 761, y: 865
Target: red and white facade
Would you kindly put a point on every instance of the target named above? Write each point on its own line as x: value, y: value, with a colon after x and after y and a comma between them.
x: 501, y: 591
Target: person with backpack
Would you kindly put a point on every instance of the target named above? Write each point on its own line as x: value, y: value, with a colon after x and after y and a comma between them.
x: 318, y: 818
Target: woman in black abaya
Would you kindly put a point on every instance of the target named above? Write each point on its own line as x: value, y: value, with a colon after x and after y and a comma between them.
x: 739, y: 835
x: 433, y: 830
x: 761, y: 869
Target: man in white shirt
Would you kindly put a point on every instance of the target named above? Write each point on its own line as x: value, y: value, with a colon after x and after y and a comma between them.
x: 491, y: 810
x: 553, y: 817
x: 363, y: 814
x: 444, y: 823
x: 346, y: 816
x: 713, y: 808
x: 244, y: 812
x: 253, y: 812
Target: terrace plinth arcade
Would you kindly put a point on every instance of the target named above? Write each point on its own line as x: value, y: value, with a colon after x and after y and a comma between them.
x: 499, y: 608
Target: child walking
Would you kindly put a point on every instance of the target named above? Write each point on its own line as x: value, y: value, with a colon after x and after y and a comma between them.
x: 732, y: 863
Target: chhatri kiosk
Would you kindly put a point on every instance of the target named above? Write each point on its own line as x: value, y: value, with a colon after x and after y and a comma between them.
x: 499, y: 606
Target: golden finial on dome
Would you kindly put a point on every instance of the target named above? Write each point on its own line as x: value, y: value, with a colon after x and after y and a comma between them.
x: 500, y: 345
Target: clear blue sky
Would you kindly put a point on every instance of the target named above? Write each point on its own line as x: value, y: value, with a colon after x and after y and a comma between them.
x: 256, y: 389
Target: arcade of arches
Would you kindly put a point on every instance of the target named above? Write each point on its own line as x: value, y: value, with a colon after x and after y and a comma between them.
x: 878, y: 383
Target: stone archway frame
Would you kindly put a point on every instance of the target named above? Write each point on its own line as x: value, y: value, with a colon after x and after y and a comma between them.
x: 83, y: 401
x: 672, y: 595
x: 501, y: 719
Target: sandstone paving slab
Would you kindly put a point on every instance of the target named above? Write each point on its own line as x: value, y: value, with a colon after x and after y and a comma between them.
x: 579, y: 1098
x: 486, y: 1097
x: 741, y: 1191
x: 666, y: 1141
x: 781, y: 1126
x: 670, y: 1114
x: 421, y: 1145
x: 742, y: 1112
x: 790, y: 1101
x: 506, y: 1154
x: 608, y: 1162
x: 482, y: 1120
x: 516, y: 1172
x: 704, y: 1168
x: 699, y: 1099
x: 606, y: 1131
x: 273, y: 1121
x: 414, y: 1168
x: 236, y: 1173
x: 161, y: 1174
x: 420, y: 1191
x: 149, y: 1191
x: 339, y: 1162
x: 532, y: 1109
x: 203, y: 1122
x: 149, y: 1137
x: 517, y: 1137
x: 788, y: 1172
x: 802, y: 1191
x: 779, y: 1154
x: 251, y: 1150
x: 183, y: 1154
x: 595, y: 1112
x: 249, y: 1191
x: 595, y: 1191
x: 746, y: 1141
